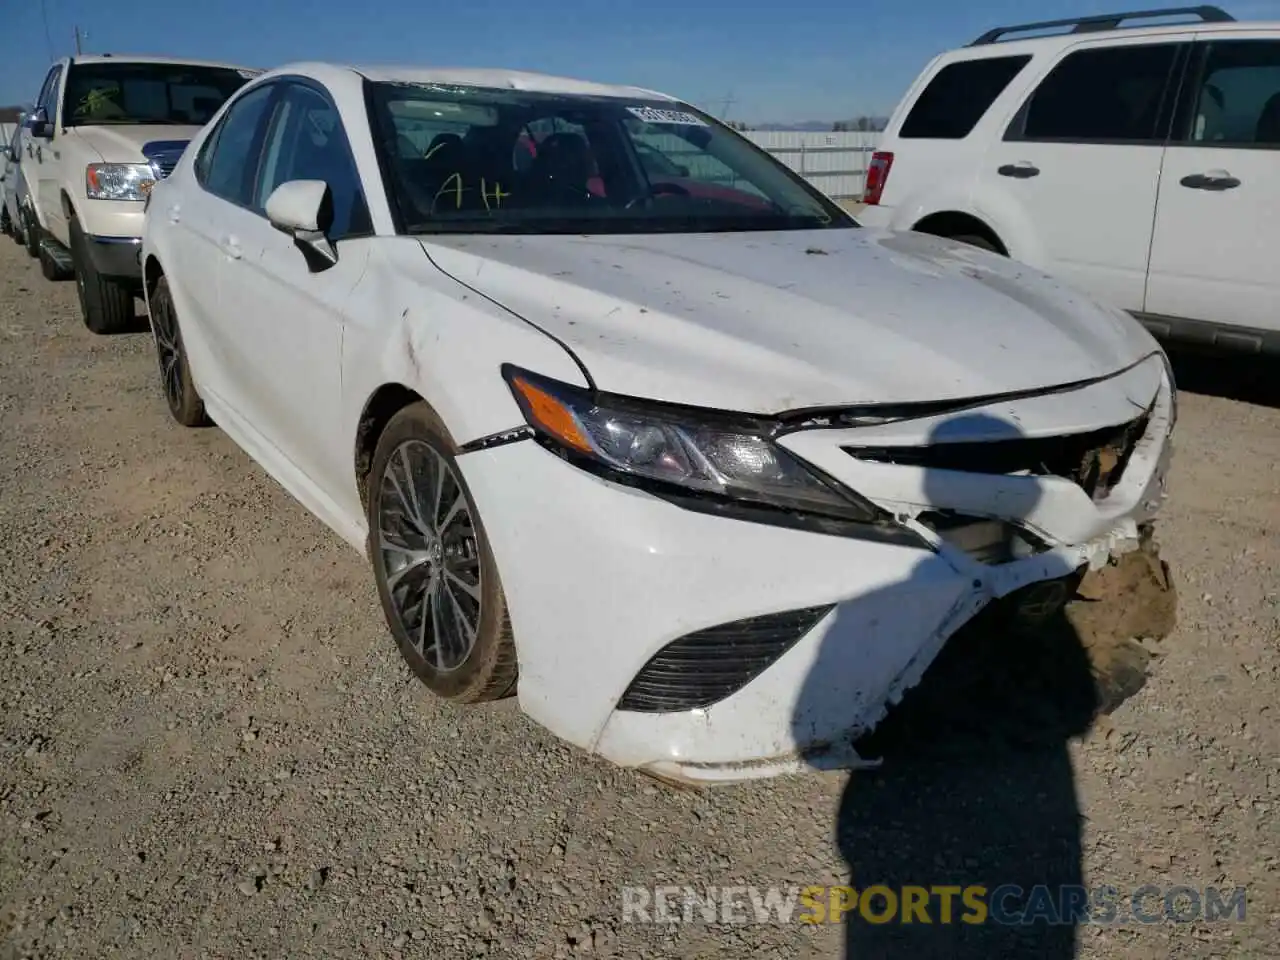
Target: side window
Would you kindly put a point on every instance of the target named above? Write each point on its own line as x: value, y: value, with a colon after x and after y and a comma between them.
x: 1236, y: 102
x: 957, y: 97
x: 49, y: 94
x: 43, y: 95
x: 307, y: 142
x: 228, y: 160
x: 1107, y: 93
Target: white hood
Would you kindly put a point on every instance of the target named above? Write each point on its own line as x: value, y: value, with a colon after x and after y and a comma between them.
x: 123, y: 143
x: 769, y: 322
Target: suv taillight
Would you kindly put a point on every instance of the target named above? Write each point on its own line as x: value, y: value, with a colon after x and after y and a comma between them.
x: 877, y: 174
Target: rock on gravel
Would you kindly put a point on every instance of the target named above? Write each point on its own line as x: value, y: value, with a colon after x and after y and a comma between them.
x: 209, y: 747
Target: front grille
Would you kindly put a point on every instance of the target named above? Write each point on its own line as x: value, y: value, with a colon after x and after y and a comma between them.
x: 702, y: 668
x: 1094, y: 460
x: 164, y: 155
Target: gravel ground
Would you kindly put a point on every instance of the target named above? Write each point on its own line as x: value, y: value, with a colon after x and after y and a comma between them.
x: 209, y: 746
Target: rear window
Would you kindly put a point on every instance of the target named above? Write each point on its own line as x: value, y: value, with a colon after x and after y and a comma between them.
x: 1105, y: 93
x: 957, y: 97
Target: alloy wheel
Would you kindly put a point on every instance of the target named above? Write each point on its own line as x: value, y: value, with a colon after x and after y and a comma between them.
x: 169, y: 350
x: 427, y: 545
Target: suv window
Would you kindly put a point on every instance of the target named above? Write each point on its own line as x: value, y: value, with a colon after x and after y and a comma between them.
x: 1108, y: 93
x: 957, y: 97
x: 1237, y: 99
x: 307, y: 142
x: 228, y: 160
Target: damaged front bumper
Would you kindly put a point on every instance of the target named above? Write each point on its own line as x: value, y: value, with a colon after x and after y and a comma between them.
x: 708, y: 649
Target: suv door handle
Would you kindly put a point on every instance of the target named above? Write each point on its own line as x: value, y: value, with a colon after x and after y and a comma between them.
x: 1211, y: 180
x: 1021, y: 170
x: 175, y: 213
x: 231, y: 247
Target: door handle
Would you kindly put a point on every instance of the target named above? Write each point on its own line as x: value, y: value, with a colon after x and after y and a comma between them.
x: 1021, y: 170
x: 175, y: 213
x: 231, y: 247
x: 1211, y: 180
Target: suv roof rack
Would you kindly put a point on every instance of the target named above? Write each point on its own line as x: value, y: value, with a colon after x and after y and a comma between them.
x: 1108, y: 21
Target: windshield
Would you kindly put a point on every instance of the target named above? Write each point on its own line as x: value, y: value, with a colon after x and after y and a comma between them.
x: 174, y: 93
x: 476, y: 159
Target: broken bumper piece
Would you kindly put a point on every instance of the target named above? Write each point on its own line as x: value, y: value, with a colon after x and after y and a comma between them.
x: 704, y: 648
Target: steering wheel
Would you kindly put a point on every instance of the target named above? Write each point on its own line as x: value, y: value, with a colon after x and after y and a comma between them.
x: 657, y: 190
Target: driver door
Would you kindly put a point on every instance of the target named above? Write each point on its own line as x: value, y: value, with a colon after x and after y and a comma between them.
x: 284, y: 311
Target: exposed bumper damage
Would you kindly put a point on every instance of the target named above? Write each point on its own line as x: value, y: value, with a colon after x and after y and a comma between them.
x: 704, y: 648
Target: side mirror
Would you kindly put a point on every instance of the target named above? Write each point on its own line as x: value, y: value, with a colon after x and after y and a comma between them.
x: 304, y: 210
x: 39, y: 125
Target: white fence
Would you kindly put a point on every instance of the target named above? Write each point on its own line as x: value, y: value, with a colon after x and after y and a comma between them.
x: 835, y: 163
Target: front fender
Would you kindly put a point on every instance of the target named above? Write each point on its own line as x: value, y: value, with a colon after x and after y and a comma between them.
x: 410, y: 324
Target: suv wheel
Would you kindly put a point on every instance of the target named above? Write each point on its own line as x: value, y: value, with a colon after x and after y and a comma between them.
x: 973, y: 240
x: 105, y: 304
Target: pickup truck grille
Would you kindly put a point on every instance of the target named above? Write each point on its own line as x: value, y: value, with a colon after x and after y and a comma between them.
x: 164, y: 155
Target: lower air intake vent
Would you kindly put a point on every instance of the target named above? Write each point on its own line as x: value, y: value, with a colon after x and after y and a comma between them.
x: 702, y: 668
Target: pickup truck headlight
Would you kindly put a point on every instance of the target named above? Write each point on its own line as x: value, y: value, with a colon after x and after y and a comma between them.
x: 118, y: 181
x: 661, y: 446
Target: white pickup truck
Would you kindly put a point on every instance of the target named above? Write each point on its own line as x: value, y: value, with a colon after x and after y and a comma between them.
x: 103, y: 130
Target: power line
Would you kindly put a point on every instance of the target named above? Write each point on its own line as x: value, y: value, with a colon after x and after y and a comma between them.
x: 48, y: 37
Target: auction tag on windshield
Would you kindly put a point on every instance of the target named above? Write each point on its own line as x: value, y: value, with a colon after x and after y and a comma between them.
x: 654, y: 115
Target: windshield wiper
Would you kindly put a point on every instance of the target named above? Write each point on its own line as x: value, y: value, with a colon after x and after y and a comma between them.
x: 473, y: 226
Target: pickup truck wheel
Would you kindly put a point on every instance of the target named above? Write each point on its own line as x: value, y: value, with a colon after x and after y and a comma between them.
x: 105, y: 304
x: 31, y: 234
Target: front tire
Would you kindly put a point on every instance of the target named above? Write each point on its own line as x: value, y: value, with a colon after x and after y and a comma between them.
x: 31, y: 234
x: 105, y: 304
x: 175, y: 371
x: 436, y: 575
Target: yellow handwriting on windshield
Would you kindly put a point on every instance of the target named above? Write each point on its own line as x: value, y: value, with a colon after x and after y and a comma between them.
x: 456, y: 180
x: 497, y: 196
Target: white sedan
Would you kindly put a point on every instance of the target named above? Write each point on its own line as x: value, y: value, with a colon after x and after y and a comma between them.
x: 628, y: 419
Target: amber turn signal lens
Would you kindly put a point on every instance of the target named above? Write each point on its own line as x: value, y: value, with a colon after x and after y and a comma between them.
x: 552, y: 416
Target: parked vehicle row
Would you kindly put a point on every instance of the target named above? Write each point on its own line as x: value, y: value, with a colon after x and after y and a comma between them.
x: 1140, y: 163
x: 102, y: 131
x: 675, y: 451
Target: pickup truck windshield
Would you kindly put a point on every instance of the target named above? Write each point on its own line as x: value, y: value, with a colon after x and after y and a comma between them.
x: 131, y: 93
x: 462, y: 159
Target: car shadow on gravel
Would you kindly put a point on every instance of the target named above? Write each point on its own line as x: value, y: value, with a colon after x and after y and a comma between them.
x: 1233, y: 376
x: 976, y: 788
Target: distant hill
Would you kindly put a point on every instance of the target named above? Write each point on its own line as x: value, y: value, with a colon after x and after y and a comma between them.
x: 10, y: 114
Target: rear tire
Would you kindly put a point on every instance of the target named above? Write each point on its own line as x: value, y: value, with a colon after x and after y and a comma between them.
x: 175, y: 372
x: 436, y: 575
x: 105, y: 304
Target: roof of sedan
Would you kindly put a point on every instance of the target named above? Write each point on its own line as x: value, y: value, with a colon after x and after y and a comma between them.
x: 481, y: 77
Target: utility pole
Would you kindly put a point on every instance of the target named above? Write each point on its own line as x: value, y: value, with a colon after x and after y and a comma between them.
x: 78, y: 51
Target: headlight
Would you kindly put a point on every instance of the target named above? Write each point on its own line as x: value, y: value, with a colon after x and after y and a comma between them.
x: 701, y: 452
x: 118, y: 181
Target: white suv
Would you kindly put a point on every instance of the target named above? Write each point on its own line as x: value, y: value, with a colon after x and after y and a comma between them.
x: 102, y: 131
x: 1140, y: 164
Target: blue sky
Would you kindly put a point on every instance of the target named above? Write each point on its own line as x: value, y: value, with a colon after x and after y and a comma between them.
x: 825, y: 59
